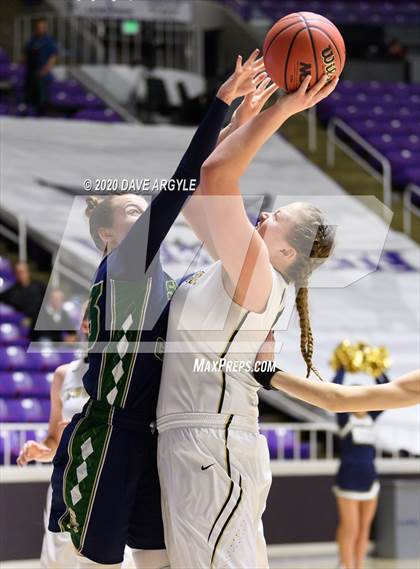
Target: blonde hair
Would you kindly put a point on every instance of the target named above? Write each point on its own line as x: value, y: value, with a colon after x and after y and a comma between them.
x: 313, y: 241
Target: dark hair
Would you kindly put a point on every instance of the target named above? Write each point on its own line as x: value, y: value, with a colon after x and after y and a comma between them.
x: 100, y: 212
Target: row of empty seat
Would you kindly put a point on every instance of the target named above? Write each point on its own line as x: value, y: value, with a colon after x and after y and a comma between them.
x: 387, y: 115
x: 68, y: 98
x: 25, y: 377
x: 362, y: 12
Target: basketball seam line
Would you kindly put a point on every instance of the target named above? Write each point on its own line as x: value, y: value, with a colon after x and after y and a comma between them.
x: 288, y: 56
x: 333, y: 42
x: 278, y: 33
x: 312, y: 45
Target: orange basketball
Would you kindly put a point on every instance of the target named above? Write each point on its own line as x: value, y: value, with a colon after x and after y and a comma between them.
x: 303, y: 44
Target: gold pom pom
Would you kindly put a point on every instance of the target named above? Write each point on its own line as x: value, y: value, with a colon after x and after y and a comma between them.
x: 361, y: 357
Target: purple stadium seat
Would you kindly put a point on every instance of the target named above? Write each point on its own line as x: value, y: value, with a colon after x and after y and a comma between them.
x: 383, y: 142
x: 24, y: 384
x: 401, y: 160
x: 6, y: 268
x: 288, y: 443
x: 14, y: 358
x: 341, y: 11
x: 68, y: 86
x: 24, y: 410
x: 7, y: 385
x: 49, y: 361
x: 9, y: 314
x: 76, y: 100
x: 272, y: 442
x: 104, y: 115
x: 10, y: 331
x: 12, y: 335
x: 9, y: 444
x: 6, y: 281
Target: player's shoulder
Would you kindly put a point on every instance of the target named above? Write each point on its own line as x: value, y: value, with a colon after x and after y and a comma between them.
x: 59, y: 376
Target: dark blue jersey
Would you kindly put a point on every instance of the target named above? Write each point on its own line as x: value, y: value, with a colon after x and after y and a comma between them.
x: 38, y: 51
x: 128, y: 308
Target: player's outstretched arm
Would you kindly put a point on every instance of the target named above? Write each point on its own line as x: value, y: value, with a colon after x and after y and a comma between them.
x: 401, y: 392
x: 155, y: 223
x: 251, y: 105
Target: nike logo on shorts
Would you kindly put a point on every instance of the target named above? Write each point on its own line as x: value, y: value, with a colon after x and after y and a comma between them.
x: 206, y: 467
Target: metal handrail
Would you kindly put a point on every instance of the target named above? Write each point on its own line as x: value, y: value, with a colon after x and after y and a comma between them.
x: 332, y: 141
x: 19, y: 236
x: 21, y: 428
x: 408, y: 207
x: 327, y: 430
x: 312, y: 129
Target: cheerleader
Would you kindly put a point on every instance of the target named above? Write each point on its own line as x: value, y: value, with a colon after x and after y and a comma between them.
x: 357, y: 485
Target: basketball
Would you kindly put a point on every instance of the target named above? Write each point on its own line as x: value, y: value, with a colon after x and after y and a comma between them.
x: 302, y: 44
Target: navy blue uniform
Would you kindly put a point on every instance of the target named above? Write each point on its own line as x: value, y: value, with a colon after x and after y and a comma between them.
x: 357, y: 471
x: 105, y: 482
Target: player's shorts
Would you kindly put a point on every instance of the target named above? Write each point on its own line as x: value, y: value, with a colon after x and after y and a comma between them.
x: 105, y: 484
x: 215, y: 477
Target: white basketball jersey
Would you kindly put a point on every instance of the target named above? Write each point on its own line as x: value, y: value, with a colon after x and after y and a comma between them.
x: 205, y: 325
x: 73, y: 394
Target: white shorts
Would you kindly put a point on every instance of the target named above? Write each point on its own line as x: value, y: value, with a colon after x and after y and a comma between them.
x: 57, y: 549
x: 215, y: 480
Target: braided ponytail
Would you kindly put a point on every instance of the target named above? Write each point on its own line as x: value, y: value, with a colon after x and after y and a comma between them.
x: 310, y: 233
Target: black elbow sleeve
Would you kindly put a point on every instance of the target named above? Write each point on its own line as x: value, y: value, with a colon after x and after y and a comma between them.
x: 264, y: 377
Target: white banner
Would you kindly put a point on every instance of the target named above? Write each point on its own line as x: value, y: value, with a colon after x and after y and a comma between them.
x: 153, y: 11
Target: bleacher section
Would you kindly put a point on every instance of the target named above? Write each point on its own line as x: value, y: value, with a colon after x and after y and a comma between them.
x: 339, y: 11
x: 387, y: 115
x: 69, y: 99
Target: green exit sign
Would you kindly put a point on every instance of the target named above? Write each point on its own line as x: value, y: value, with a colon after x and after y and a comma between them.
x: 130, y: 27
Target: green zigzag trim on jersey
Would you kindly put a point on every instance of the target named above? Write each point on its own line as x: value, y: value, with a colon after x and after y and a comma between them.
x: 76, y: 519
x: 128, y: 310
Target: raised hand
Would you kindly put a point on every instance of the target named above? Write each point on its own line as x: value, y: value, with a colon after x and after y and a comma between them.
x: 304, y: 99
x: 32, y: 450
x: 254, y: 102
x: 244, y: 79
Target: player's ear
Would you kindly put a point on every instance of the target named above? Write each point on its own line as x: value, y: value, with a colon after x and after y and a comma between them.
x: 105, y: 235
x: 289, y: 253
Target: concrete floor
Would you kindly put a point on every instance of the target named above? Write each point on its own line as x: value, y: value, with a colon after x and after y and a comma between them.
x: 331, y: 563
